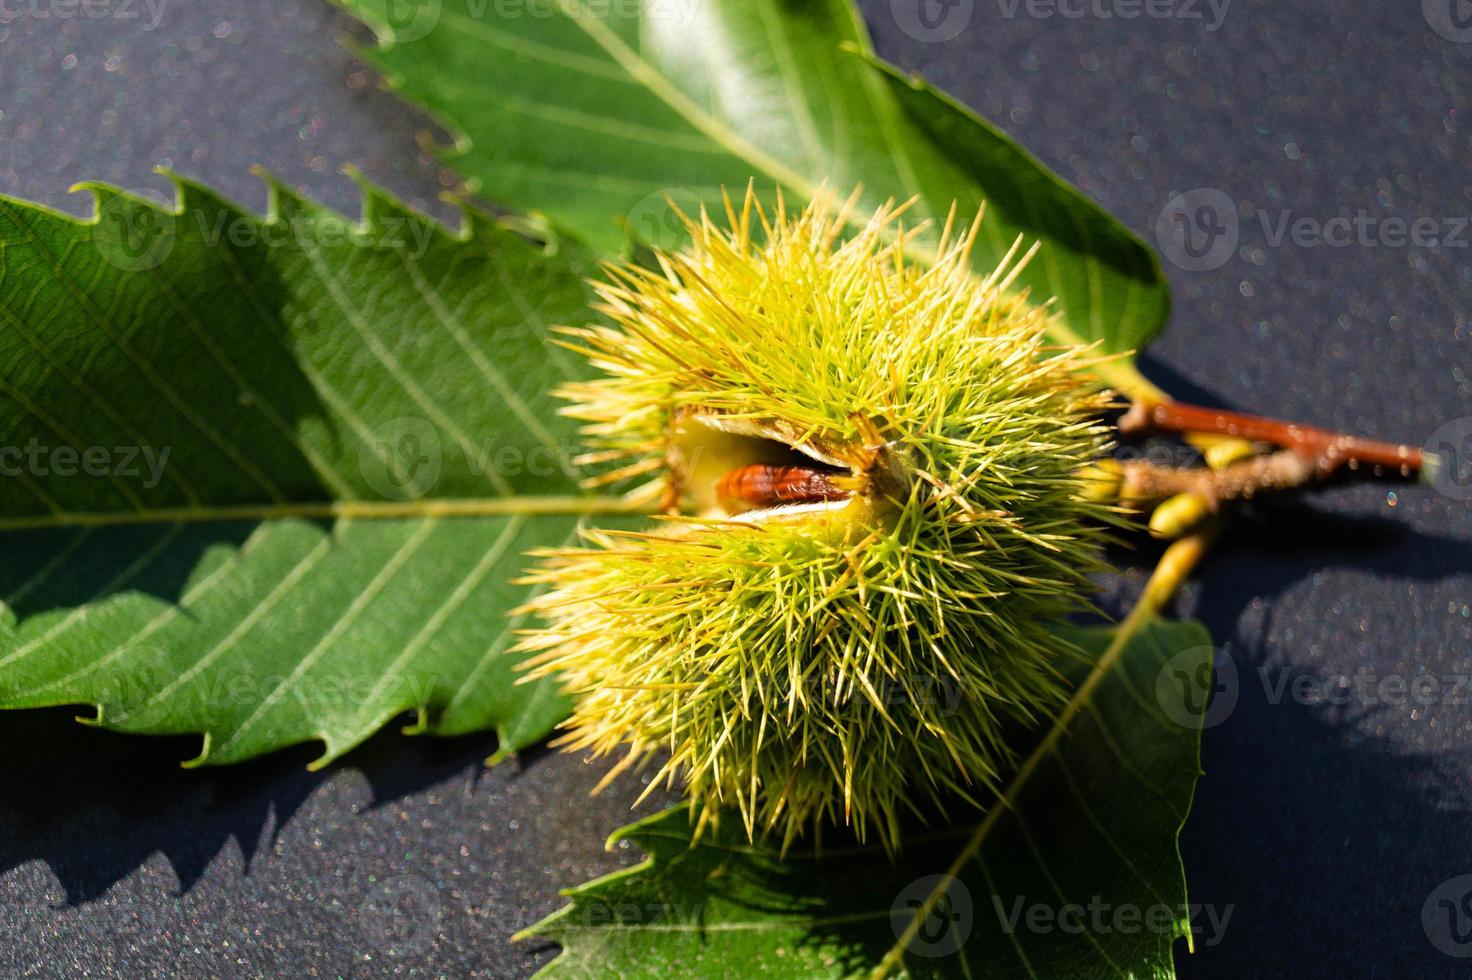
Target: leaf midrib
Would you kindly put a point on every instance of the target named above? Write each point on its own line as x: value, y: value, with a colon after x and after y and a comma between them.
x: 638, y: 69
x: 566, y: 505
x: 1008, y: 800
x: 345, y: 504
x: 1173, y: 566
x: 145, y: 366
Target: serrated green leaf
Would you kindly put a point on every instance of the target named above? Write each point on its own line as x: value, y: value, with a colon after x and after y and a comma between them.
x: 1090, y: 822
x: 593, y: 112
x: 267, y: 479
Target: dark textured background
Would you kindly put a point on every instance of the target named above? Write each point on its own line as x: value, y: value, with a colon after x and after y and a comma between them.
x: 1324, y: 828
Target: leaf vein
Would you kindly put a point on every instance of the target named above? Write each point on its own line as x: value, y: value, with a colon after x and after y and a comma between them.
x: 132, y: 569
x: 489, y: 371
x: 179, y: 403
x: 405, y: 552
x: 468, y: 583
x: 300, y: 569
x: 384, y: 357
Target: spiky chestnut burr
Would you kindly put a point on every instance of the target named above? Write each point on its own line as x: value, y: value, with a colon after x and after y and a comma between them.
x: 841, y: 657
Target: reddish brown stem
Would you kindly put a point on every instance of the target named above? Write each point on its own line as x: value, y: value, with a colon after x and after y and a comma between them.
x: 1327, y: 449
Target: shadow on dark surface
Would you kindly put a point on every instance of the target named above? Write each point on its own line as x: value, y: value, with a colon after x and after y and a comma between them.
x: 1292, y: 538
x: 1311, y: 792
x: 1314, y: 821
x: 95, y: 805
x: 1277, y: 817
x: 1313, y: 789
x: 99, y: 556
x: 1180, y: 386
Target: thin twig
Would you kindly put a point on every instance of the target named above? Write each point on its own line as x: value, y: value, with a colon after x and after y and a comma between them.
x: 1143, y: 482
x: 1327, y: 450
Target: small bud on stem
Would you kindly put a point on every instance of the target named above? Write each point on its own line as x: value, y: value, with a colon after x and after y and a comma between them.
x: 1307, y: 455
